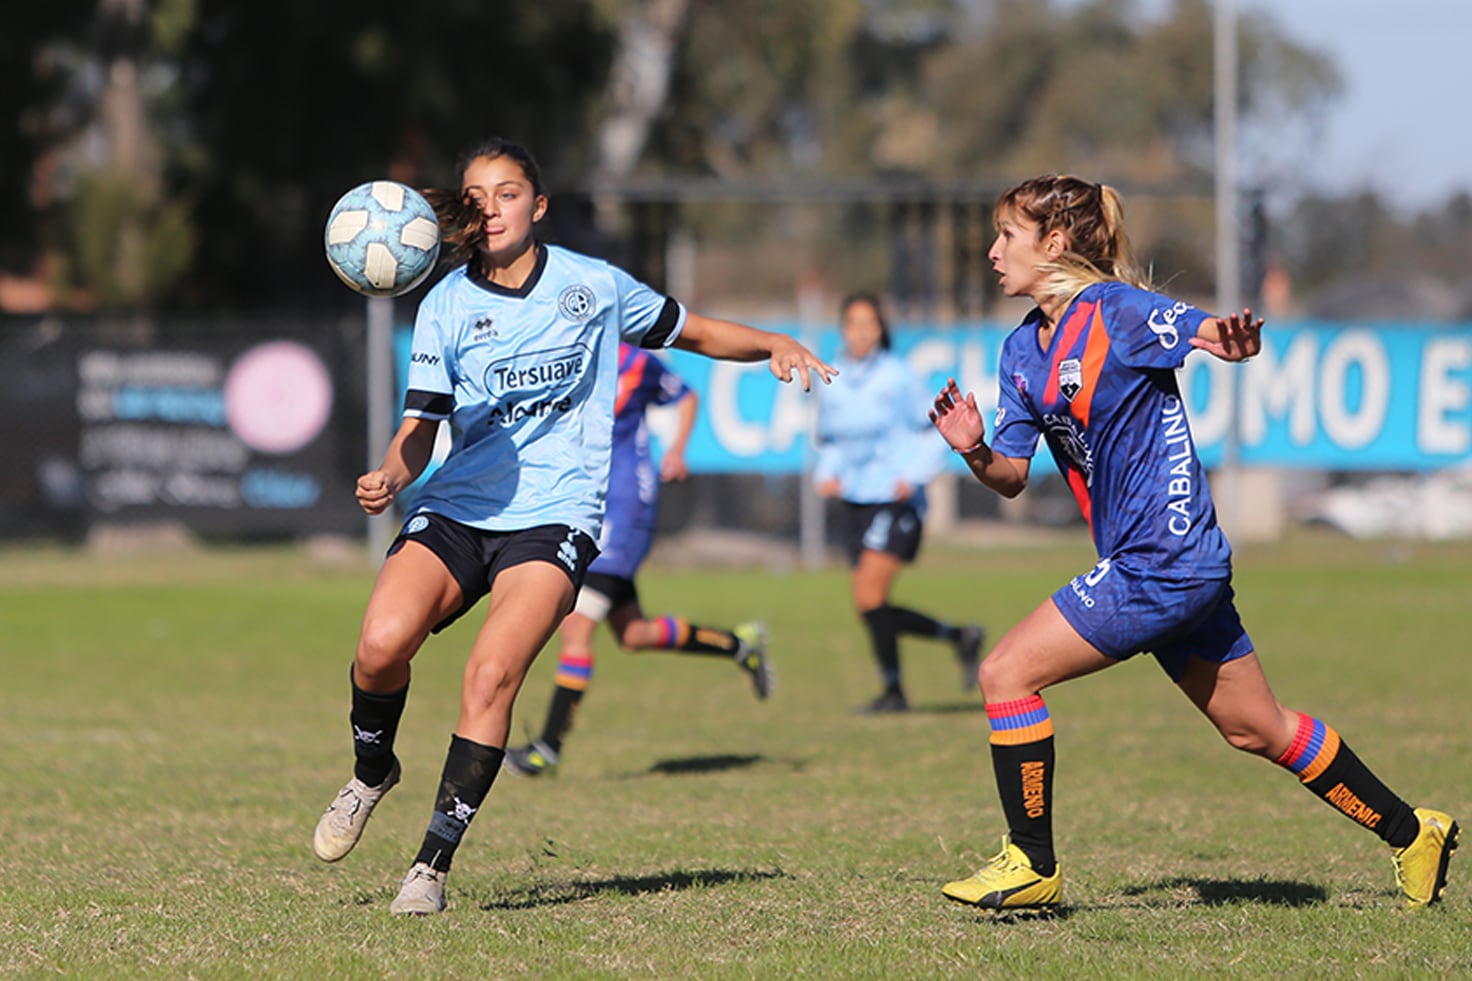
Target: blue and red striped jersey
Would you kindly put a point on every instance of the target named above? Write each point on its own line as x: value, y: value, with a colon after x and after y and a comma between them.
x: 1103, y: 393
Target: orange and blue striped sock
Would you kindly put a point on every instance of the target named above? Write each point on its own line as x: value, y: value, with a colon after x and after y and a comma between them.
x: 574, y: 675
x: 677, y: 633
x: 1022, y: 758
x: 1334, y: 774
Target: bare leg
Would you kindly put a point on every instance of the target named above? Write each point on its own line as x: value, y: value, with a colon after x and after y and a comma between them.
x: 527, y: 604
x: 413, y: 592
x: 1236, y: 698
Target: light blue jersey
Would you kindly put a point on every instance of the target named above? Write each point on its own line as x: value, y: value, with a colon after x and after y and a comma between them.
x: 874, y: 430
x: 527, y: 378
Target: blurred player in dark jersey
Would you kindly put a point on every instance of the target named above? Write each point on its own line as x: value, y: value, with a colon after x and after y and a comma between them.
x: 608, y: 592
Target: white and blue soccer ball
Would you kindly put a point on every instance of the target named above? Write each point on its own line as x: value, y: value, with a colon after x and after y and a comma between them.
x: 382, y: 238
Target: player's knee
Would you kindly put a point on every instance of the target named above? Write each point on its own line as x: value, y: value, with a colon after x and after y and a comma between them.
x: 632, y: 634
x: 385, y: 645
x: 995, y: 677
x: 1247, y: 738
x: 1004, y: 674
x: 491, y: 682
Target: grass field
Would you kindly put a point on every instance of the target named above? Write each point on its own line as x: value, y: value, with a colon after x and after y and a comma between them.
x: 171, y: 727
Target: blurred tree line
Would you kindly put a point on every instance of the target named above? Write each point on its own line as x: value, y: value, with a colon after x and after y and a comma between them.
x: 183, y: 153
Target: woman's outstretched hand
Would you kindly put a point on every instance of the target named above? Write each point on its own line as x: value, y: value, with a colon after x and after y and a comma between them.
x: 957, y: 418
x: 1238, y: 337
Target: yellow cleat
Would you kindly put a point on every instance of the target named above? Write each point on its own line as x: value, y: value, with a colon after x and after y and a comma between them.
x: 751, y: 657
x: 1008, y: 882
x: 1420, y: 867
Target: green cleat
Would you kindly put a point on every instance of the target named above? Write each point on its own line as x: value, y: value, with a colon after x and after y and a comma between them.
x: 751, y: 657
x: 1420, y: 867
x: 532, y: 760
x: 1008, y: 882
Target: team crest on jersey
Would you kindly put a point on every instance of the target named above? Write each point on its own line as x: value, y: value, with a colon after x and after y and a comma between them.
x: 1070, y: 378
x: 576, y: 303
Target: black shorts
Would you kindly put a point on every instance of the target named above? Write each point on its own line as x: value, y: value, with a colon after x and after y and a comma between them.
x: 603, y: 594
x: 475, y: 556
x: 893, y: 527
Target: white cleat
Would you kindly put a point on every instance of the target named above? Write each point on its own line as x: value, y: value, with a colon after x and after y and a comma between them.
x: 422, y: 893
x: 341, y: 825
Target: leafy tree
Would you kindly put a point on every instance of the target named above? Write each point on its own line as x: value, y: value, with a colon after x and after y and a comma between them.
x: 297, y: 102
x: 252, y: 118
x: 32, y: 119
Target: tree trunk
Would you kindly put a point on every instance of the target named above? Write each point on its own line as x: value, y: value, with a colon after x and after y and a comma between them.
x: 637, y: 87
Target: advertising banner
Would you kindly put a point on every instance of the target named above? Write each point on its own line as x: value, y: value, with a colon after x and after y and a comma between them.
x: 232, y: 434
x: 1385, y: 397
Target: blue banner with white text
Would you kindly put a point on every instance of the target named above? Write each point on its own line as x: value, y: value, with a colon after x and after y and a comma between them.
x: 1319, y: 396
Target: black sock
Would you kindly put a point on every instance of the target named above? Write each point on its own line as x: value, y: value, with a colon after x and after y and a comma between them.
x: 375, y: 718
x: 469, y: 770
x: 559, y: 716
x: 917, y: 624
x: 885, y: 640
x: 1334, y: 774
x: 1022, y: 758
x: 709, y: 640
x: 679, y: 634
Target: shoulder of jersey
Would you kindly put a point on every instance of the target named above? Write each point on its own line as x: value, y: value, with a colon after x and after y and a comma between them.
x: 561, y: 255
x: 449, y: 281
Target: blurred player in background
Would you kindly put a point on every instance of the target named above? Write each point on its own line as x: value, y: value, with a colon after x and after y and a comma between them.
x: 518, y: 348
x: 608, y: 592
x: 876, y: 453
x: 1091, y: 371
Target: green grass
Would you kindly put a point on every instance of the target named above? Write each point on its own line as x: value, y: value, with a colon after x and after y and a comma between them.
x: 171, y: 726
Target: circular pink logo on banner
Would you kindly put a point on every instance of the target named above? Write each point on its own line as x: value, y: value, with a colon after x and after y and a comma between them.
x: 278, y: 397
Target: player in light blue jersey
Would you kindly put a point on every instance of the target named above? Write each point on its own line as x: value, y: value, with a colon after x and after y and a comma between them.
x: 517, y: 348
x: 609, y: 593
x: 876, y: 453
x: 1090, y: 370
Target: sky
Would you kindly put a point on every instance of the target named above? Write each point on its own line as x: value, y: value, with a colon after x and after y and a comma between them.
x: 1400, y: 125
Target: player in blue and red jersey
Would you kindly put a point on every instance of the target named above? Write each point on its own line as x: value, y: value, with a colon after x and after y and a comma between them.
x: 1091, y: 371
x: 517, y: 348
x: 608, y: 592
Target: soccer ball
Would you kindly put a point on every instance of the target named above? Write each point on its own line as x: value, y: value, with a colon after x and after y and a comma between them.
x: 382, y: 238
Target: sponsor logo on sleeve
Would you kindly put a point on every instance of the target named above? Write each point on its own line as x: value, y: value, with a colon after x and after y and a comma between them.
x: 1162, y: 324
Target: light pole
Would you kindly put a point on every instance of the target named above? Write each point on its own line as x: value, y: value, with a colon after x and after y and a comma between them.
x: 380, y: 403
x: 1228, y: 263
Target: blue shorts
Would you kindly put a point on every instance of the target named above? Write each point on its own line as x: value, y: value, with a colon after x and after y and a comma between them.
x: 628, y: 534
x: 1123, y: 613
